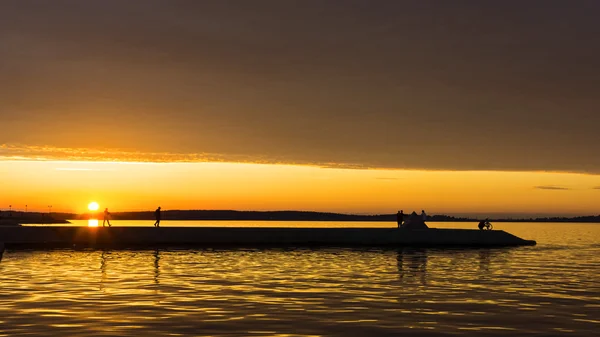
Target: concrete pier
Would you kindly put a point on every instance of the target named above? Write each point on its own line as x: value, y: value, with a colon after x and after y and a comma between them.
x: 251, y: 237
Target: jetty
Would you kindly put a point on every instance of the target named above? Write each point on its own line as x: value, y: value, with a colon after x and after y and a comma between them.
x: 72, y: 236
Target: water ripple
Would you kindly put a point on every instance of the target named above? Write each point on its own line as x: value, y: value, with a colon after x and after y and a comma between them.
x: 546, y: 289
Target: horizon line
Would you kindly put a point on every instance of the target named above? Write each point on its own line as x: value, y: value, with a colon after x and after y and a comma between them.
x: 450, y: 214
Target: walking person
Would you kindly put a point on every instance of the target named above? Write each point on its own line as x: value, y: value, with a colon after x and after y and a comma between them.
x: 157, y: 216
x: 106, y: 217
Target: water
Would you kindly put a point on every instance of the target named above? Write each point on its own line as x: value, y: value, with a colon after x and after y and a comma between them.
x: 548, y: 289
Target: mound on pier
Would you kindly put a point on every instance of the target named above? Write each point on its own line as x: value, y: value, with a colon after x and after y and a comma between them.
x: 414, y: 221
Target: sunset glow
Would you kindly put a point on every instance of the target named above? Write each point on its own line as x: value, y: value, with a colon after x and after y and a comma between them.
x: 126, y: 186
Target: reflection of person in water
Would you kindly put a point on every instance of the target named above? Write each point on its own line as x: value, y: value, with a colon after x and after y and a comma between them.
x: 156, y: 266
x: 416, y: 263
x: 102, y: 269
x: 484, y: 259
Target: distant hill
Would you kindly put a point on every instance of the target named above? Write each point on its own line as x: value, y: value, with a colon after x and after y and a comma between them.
x: 262, y: 216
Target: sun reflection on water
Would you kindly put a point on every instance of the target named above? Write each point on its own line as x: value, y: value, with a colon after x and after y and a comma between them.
x: 93, y: 223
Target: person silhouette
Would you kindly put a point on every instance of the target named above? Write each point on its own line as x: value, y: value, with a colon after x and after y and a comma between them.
x: 157, y: 216
x: 106, y: 217
x: 423, y: 215
x: 400, y: 218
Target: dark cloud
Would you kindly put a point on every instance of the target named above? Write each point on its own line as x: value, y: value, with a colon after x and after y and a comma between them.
x: 556, y: 188
x: 470, y: 85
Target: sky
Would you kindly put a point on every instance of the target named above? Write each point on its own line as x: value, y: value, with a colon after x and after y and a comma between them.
x: 443, y: 105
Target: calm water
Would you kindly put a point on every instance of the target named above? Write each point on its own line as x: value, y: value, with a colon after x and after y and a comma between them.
x: 549, y: 289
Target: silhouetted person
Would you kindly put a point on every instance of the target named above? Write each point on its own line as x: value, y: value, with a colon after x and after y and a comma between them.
x: 106, y: 217
x: 157, y: 216
x: 423, y: 215
x: 484, y: 224
x: 400, y: 218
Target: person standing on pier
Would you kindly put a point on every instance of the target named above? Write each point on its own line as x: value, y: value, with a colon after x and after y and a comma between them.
x: 423, y: 215
x: 157, y: 216
x: 400, y: 218
x: 106, y: 217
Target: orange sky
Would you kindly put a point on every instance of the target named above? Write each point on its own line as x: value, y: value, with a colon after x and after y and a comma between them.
x: 71, y: 185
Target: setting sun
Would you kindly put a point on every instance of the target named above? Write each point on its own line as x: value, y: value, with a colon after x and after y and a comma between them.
x: 93, y: 206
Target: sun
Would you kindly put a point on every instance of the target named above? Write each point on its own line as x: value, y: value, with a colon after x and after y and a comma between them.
x: 93, y: 206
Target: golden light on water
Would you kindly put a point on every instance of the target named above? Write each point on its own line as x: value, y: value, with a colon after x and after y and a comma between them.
x: 93, y: 206
x: 92, y: 223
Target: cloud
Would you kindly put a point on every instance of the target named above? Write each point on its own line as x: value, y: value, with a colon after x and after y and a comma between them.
x: 361, y: 86
x: 17, y: 152
x: 75, y: 169
x: 554, y: 188
x: 48, y: 153
x: 44, y: 153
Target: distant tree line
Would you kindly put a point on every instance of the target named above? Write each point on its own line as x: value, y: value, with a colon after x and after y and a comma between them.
x: 587, y: 218
x: 55, y: 217
x: 36, y: 217
x: 309, y: 216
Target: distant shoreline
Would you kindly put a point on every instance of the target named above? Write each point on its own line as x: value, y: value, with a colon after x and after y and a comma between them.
x: 230, y: 215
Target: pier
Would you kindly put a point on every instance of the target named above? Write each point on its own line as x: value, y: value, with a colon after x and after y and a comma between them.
x: 70, y: 236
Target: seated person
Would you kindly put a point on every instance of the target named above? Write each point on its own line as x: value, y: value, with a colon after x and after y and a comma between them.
x: 481, y: 224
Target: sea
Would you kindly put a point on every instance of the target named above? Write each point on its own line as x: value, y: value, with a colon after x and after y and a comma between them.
x: 550, y: 289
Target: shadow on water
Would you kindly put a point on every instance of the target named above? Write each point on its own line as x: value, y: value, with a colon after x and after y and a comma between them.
x: 412, y: 263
